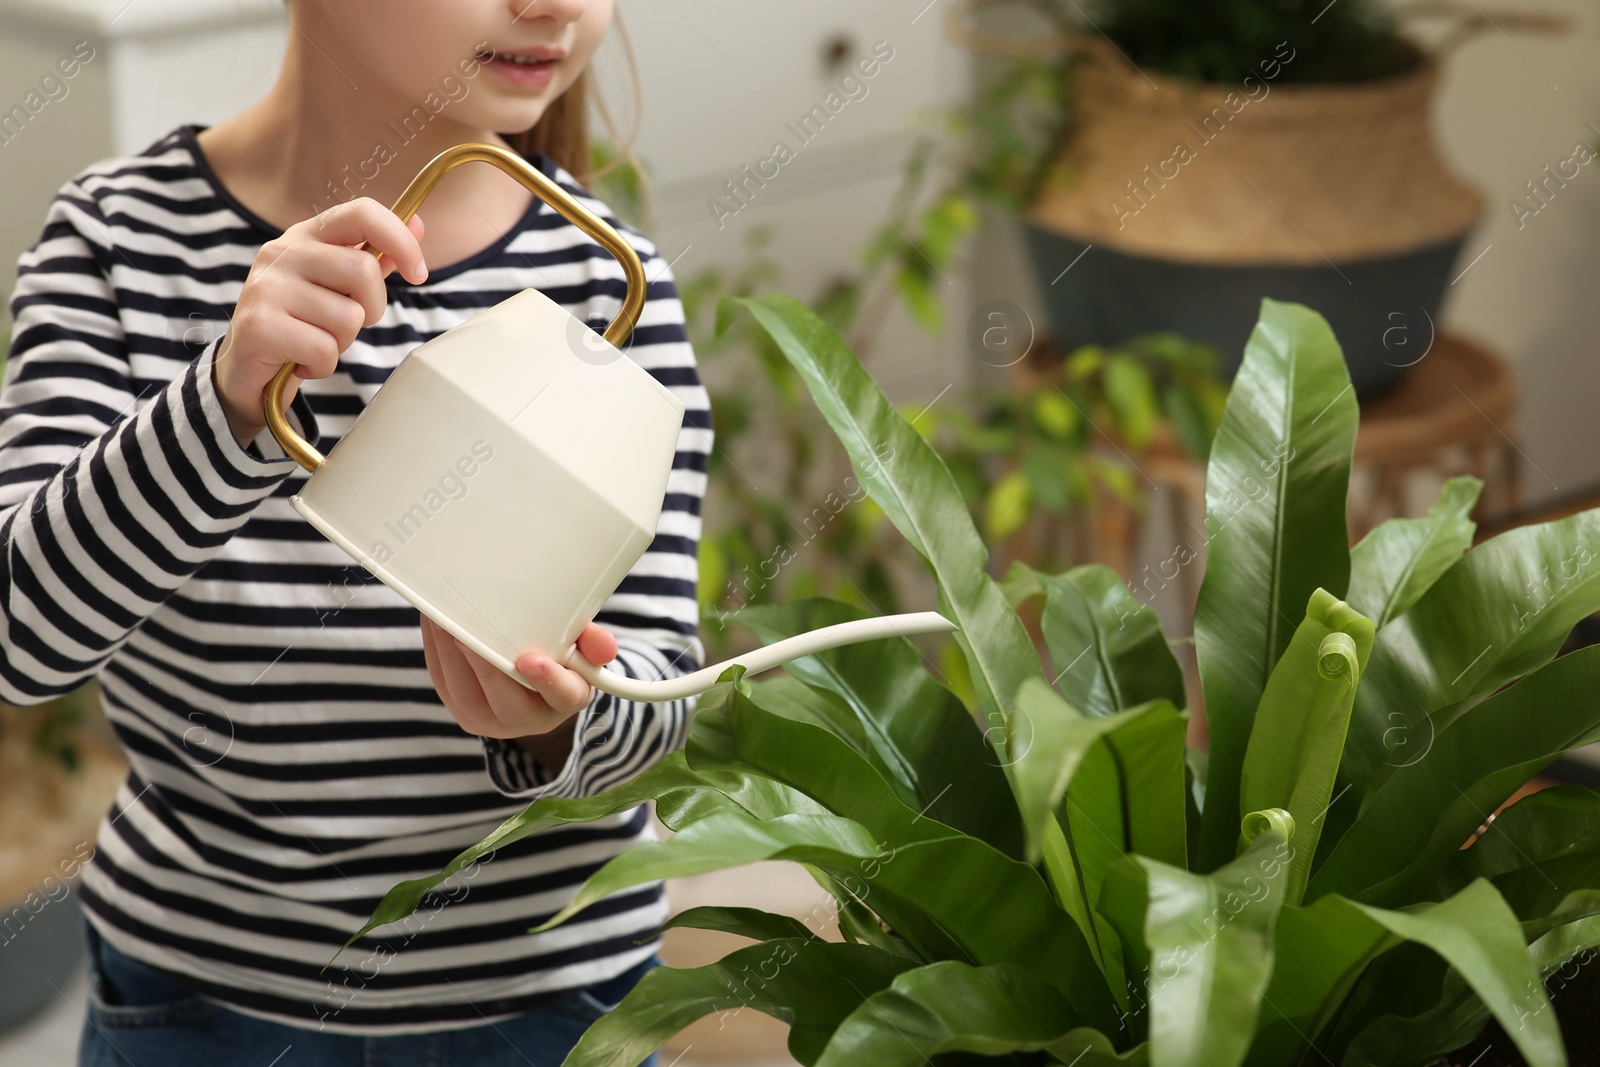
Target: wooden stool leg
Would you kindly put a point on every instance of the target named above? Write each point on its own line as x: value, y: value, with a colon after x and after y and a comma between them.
x: 1113, y: 532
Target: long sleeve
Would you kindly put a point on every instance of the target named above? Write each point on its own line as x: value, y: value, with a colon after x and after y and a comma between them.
x: 655, y: 612
x: 289, y: 757
x: 112, y: 493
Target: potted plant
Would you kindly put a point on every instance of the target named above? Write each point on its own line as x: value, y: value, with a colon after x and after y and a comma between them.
x: 1027, y: 860
x: 1228, y: 149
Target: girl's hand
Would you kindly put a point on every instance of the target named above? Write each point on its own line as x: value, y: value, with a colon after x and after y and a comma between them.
x: 487, y: 703
x: 307, y: 295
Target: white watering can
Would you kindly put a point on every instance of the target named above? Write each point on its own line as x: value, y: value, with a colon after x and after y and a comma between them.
x: 511, y: 471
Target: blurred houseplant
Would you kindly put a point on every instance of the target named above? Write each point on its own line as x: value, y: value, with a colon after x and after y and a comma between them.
x: 1223, y: 150
x: 1042, y: 872
x: 1015, y: 453
x: 1019, y: 454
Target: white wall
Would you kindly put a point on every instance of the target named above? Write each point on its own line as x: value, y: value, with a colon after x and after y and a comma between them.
x: 155, y: 64
x: 724, y: 80
x: 1509, y: 105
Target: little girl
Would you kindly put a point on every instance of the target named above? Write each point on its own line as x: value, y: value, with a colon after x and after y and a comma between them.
x: 299, y: 740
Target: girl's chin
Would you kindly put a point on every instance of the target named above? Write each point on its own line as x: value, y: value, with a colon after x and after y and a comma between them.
x: 509, y: 121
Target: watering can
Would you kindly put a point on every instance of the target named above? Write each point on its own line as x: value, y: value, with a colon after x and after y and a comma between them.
x: 520, y: 435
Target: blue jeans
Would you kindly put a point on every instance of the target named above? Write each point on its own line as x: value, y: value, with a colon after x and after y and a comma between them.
x: 139, y: 1018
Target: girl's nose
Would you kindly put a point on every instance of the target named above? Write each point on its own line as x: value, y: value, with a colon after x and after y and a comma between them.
x: 559, y: 12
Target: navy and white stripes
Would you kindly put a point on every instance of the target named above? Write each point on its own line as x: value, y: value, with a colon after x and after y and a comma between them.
x: 290, y: 758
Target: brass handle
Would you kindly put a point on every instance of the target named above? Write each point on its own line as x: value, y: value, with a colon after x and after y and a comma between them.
x: 301, y: 450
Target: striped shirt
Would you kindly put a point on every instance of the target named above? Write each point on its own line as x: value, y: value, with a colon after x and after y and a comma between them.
x: 290, y: 759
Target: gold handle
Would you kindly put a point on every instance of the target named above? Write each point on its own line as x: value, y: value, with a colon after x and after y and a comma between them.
x: 301, y: 450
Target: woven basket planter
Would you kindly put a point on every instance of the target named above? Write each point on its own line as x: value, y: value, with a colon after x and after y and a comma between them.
x: 1296, y: 175
x: 1186, y: 203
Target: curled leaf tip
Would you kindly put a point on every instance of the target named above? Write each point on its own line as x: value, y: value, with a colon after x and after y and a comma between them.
x: 1337, y: 656
x: 1275, y: 820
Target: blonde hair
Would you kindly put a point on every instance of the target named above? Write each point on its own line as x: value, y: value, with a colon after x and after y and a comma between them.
x: 563, y: 131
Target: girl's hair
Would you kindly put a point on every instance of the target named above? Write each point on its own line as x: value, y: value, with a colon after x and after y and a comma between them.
x: 563, y: 132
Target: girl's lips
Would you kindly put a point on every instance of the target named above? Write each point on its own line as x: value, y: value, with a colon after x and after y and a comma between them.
x: 532, y: 76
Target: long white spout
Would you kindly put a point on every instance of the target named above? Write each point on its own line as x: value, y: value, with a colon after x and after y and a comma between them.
x: 758, y: 660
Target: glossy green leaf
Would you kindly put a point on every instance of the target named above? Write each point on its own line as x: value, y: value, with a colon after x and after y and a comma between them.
x: 812, y: 985
x: 1459, y: 1015
x: 1576, y: 906
x: 1131, y: 788
x: 1324, y: 949
x: 1319, y: 954
x: 732, y: 791
x: 1543, y: 826
x: 858, y: 923
x: 1477, y: 934
x: 1107, y: 650
x: 724, y: 841
x: 994, y: 910
x: 751, y: 732
x: 1500, y: 613
x: 1412, y: 828
x: 1052, y: 741
x: 1541, y: 888
x: 910, y: 482
x: 729, y: 788
x: 914, y: 731
x: 1275, y: 528
x: 753, y: 923
x: 1051, y: 738
x: 1021, y: 584
x: 1064, y: 869
x: 1209, y: 939
x: 1127, y: 796
x: 1400, y: 560
x: 952, y: 897
x: 951, y: 1007
x: 670, y: 775
x: 1298, y: 737
x: 1541, y: 854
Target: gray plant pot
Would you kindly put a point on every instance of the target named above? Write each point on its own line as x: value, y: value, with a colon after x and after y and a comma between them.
x: 36, y: 949
x: 1383, y: 310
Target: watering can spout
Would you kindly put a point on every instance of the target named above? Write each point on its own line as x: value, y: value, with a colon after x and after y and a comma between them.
x: 761, y: 659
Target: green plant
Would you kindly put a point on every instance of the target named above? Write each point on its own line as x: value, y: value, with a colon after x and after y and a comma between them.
x: 803, y: 526
x: 793, y: 522
x: 1227, y: 40
x: 1046, y: 449
x: 50, y: 731
x: 1012, y: 452
x: 1049, y: 875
